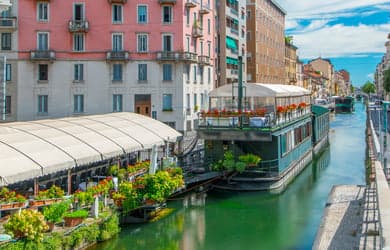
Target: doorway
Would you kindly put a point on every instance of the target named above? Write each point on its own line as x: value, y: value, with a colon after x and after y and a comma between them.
x: 142, y: 104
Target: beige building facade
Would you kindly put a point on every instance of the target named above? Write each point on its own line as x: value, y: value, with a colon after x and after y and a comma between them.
x: 326, y: 67
x: 290, y: 61
x: 265, y: 42
x: 380, y: 68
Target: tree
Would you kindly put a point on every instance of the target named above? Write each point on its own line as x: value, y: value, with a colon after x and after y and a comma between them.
x: 368, y: 87
x: 386, y: 80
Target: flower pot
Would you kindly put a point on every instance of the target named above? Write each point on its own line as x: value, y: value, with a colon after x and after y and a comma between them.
x: 72, y: 222
x: 51, y: 226
x: 36, y: 203
x: 149, y: 202
x: 6, y: 206
x: 18, y: 204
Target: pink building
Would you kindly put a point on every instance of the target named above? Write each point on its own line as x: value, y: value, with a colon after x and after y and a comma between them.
x: 87, y: 57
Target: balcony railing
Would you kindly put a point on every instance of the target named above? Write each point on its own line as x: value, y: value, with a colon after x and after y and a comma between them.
x: 78, y: 26
x: 204, y: 60
x: 188, y: 56
x: 8, y: 23
x: 42, y: 55
x: 197, y: 31
x: 117, y: 56
x: 205, y: 9
x: 177, y: 56
x: 167, y: 2
x: 117, y: 1
x: 247, y: 120
x: 167, y: 55
x: 190, y: 3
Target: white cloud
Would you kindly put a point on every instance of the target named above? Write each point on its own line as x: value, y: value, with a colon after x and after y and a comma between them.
x: 310, y: 8
x: 370, y: 76
x: 340, y: 40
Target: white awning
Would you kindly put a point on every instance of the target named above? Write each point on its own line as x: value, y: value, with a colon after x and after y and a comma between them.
x: 35, y: 148
x: 260, y: 90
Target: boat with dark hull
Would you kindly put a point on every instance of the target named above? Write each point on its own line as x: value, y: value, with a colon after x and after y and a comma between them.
x: 276, y: 122
x: 344, y: 104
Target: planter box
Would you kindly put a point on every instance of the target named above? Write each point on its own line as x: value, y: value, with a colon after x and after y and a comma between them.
x: 38, y: 203
x: 13, y: 205
x: 72, y: 222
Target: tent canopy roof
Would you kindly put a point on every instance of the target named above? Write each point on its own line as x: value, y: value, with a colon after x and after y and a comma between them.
x: 260, y: 90
x: 35, y: 148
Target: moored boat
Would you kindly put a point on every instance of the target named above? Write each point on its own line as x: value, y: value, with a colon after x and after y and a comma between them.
x: 275, y: 123
x: 344, y: 104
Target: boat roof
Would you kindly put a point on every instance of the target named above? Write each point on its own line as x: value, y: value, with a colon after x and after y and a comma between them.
x: 260, y: 90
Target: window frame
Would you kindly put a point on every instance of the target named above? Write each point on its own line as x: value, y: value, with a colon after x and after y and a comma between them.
x: 78, y: 72
x: 6, y: 37
x: 140, y: 70
x: 41, y: 12
x: 117, y: 103
x: 43, y: 104
x: 78, y: 103
x: 167, y: 102
x: 117, y: 70
x: 8, y: 72
x: 170, y: 14
x: 113, y: 42
x: 76, y: 44
x: 142, y: 42
x: 41, y: 70
x: 41, y: 46
x: 114, y: 13
x: 167, y: 76
x: 139, y: 21
x: 163, y: 44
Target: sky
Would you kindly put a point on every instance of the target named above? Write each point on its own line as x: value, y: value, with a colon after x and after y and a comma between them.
x: 351, y: 33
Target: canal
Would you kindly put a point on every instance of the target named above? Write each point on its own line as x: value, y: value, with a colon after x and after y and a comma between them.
x: 289, y: 220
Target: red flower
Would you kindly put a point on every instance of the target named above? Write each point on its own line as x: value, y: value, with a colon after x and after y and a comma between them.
x: 281, y: 109
x: 302, y: 105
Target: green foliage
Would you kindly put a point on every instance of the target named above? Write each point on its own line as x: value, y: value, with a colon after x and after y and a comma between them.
x: 250, y: 159
x: 56, y: 211
x: 386, y: 80
x: 240, y: 166
x: 51, y: 193
x: 368, y: 87
x: 77, y: 214
x: 29, y: 224
x: 83, y: 198
x: 109, y: 228
x: 113, y: 170
x: 53, y: 242
x: 7, y: 196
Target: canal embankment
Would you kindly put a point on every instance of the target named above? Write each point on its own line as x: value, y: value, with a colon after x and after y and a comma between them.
x: 359, y: 216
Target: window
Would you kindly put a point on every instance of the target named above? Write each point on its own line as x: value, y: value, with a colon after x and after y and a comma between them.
x: 188, y: 44
x: 209, y: 75
x: 167, y: 43
x: 8, y: 72
x: 79, y: 72
x: 142, y: 42
x: 42, y: 104
x: 43, y: 71
x: 187, y: 16
x: 78, y: 42
x: 43, y: 41
x: 195, y: 73
x: 208, y: 26
x: 78, y: 103
x: 117, y: 42
x: 117, y: 13
x: 167, y: 72
x: 167, y: 14
x: 195, y: 100
x: 43, y: 11
x: 201, y: 99
x: 209, y: 50
x: 5, y: 41
x: 142, y: 14
x: 117, y: 101
x: 78, y: 12
x: 117, y: 72
x: 8, y: 105
x: 201, y: 74
x: 167, y: 102
x: 188, y: 101
x: 142, y: 72
x: 187, y: 72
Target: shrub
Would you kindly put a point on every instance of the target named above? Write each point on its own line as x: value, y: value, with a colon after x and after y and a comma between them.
x: 56, y: 211
x: 77, y: 214
x: 29, y: 224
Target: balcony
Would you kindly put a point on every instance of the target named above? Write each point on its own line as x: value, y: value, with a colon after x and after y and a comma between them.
x: 205, y: 9
x: 117, y: 56
x: 42, y: 55
x: 188, y: 57
x: 8, y: 23
x: 78, y: 26
x: 167, y: 56
x: 117, y: 1
x: 197, y: 31
x: 190, y: 3
x: 205, y: 60
x: 172, y: 2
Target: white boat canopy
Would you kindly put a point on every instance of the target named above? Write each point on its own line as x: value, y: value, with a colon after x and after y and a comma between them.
x: 260, y: 90
x: 37, y: 148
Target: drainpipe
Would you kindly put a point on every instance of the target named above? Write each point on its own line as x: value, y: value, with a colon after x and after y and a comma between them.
x: 240, y: 84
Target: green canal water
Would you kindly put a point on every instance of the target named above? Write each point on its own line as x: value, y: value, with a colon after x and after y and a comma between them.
x: 289, y: 220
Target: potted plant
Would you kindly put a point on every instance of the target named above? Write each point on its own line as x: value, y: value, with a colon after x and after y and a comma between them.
x: 10, y: 199
x: 72, y: 219
x: 54, y: 213
x: 49, y: 196
x: 29, y: 224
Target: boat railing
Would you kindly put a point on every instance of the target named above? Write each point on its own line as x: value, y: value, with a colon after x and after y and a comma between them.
x: 234, y: 120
